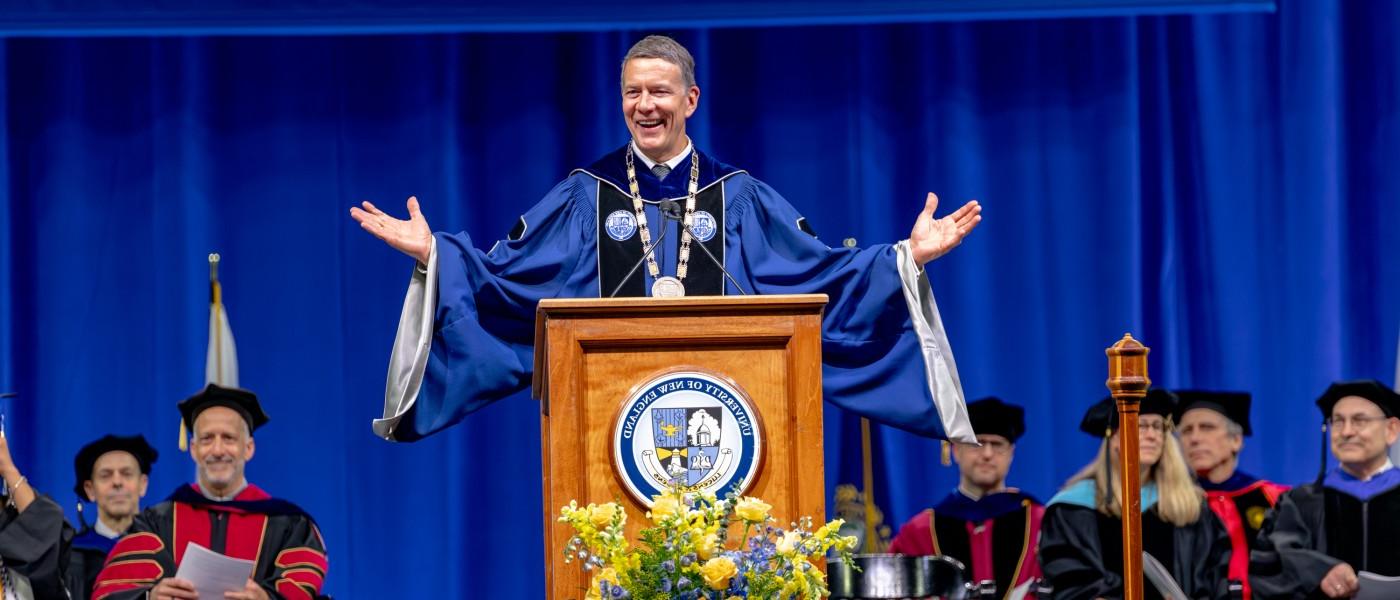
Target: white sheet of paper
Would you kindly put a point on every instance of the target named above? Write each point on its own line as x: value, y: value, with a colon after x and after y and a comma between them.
x: 1157, y: 574
x: 1377, y: 587
x: 213, y: 573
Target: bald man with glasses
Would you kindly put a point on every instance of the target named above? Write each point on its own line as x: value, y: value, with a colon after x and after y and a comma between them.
x: 1325, y: 534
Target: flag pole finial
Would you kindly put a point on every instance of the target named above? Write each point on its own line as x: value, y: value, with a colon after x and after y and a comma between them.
x: 214, y: 266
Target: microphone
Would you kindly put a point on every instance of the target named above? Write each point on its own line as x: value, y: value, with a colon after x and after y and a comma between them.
x: 653, y: 247
x: 671, y: 209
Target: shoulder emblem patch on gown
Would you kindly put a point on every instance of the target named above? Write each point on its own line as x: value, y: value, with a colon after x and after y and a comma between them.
x: 703, y: 224
x: 621, y: 225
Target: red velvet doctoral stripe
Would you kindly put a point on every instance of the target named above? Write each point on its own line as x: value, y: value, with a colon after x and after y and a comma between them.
x: 979, y: 536
x: 302, y: 557
x: 1030, y: 561
x: 136, y: 543
x: 308, y: 580
x: 127, y: 574
x: 245, y: 536
x: 1223, y: 505
x: 191, y: 525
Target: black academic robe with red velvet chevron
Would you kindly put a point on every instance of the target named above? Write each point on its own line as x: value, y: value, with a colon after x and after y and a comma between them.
x: 281, y: 539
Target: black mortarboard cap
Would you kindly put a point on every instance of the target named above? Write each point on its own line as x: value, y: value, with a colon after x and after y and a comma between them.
x: 1370, y: 389
x: 1234, y: 405
x: 86, y: 459
x: 1102, y: 417
x: 244, y: 402
x: 992, y: 416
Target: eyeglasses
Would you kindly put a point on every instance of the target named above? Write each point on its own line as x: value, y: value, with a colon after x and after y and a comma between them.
x: 1157, y: 426
x: 998, y: 447
x: 1358, y: 422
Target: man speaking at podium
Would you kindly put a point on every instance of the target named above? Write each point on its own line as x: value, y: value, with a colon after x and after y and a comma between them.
x: 465, y: 336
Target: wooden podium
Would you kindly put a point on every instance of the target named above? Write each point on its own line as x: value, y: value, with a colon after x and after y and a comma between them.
x: 591, y: 355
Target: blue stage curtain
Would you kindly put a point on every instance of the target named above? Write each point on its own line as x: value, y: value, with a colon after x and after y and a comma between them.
x: 1221, y: 186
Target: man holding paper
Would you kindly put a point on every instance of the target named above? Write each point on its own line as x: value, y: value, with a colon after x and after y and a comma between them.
x: 1325, y: 536
x: 222, y: 513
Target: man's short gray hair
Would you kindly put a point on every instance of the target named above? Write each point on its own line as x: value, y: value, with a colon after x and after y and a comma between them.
x: 667, y: 49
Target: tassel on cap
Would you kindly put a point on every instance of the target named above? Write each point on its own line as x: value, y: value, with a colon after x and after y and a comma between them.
x: 1322, y: 468
x: 947, y: 454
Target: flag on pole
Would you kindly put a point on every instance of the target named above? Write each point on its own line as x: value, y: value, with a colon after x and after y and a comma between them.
x: 221, y: 362
x: 221, y: 359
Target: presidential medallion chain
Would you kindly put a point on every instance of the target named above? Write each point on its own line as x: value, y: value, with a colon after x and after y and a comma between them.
x: 673, y: 286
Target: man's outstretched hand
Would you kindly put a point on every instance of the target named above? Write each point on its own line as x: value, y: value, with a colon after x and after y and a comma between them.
x: 932, y: 238
x: 411, y: 237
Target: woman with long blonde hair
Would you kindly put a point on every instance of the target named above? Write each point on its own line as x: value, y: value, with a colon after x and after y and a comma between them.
x: 1081, y: 546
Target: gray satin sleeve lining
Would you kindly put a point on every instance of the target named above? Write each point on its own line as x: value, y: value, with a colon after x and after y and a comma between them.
x: 942, y: 371
x: 411, y: 346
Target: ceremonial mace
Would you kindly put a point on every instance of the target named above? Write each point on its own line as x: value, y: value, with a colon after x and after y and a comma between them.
x: 1127, y: 381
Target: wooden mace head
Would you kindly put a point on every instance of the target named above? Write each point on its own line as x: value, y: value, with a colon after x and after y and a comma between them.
x: 1127, y: 369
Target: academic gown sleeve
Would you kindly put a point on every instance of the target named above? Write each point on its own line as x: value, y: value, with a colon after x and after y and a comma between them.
x: 1286, y: 562
x: 466, y: 334
x: 915, y: 537
x: 35, y: 544
x: 884, y: 350
x: 1071, y: 556
x: 139, y: 559
x: 1202, y: 563
x: 83, y: 565
x: 299, y: 569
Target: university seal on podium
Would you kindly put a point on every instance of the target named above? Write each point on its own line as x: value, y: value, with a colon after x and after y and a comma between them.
x: 688, y: 429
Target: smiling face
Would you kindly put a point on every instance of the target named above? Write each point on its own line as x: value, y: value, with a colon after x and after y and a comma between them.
x: 1361, y: 433
x: 655, y: 103
x: 222, y: 446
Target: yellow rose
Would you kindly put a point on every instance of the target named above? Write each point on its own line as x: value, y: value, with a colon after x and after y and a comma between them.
x: 718, y: 571
x: 664, y: 506
x: 707, y: 546
x: 602, y: 516
x: 752, y: 509
x: 788, y: 543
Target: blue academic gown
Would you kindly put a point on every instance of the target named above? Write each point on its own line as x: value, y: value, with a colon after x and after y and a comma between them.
x: 472, y: 343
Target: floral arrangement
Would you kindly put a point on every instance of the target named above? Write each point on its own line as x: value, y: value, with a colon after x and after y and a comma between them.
x: 688, y: 553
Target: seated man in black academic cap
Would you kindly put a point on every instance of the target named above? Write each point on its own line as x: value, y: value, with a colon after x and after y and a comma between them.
x: 983, y: 517
x: 221, y: 512
x: 113, y: 473
x: 1212, y: 426
x: 33, y: 535
x: 1348, y: 521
